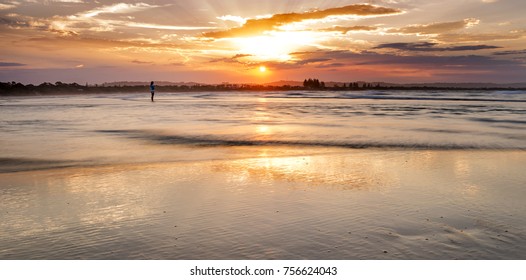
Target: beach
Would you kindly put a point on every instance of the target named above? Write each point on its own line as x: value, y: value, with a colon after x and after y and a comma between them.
x: 259, y: 175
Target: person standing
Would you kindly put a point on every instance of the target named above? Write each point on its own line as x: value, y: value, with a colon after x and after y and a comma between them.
x: 152, y: 89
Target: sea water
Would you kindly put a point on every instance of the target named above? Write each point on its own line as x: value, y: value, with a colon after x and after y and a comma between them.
x: 264, y: 175
x: 107, y: 128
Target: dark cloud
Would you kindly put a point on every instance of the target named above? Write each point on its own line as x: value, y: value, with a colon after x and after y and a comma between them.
x: 341, y: 59
x: 431, y: 47
x: 141, y: 62
x: 471, y: 48
x: 258, y: 26
x: 448, y: 67
x: 464, y: 37
x: 20, y: 22
x: 510, y: 52
x: 345, y: 29
x: 332, y: 65
x: 431, y: 61
x: 14, y: 22
x: 233, y: 59
x: 371, y: 58
x: 318, y: 59
x: 281, y: 65
x: 313, y: 60
x: 241, y: 56
x: 11, y: 64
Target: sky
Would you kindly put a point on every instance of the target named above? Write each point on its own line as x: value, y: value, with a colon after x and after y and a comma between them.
x: 240, y: 41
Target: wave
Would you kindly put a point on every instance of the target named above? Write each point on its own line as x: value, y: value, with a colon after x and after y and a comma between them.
x: 402, y: 98
x: 8, y: 165
x: 224, y: 141
x: 488, y: 120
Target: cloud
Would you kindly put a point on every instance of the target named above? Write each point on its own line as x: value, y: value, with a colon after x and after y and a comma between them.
x: 260, y: 25
x: 393, y: 1
x: 11, y: 64
x: 20, y: 22
x: 347, y: 61
x: 332, y: 65
x: 436, y: 28
x: 345, y: 29
x: 141, y: 62
x: 457, y: 37
x: 64, y: 43
x: 26, y: 22
x: 118, y: 8
x: 87, y: 22
x: 4, y: 6
x: 237, y: 19
x: 69, y: 1
x: 271, y: 64
x: 313, y: 60
x: 510, y: 52
x: 241, y: 55
x: 431, y: 47
x: 90, y: 19
x: 234, y: 59
x: 372, y: 58
x: 166, y: 27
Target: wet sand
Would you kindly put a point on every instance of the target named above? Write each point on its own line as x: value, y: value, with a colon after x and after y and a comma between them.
x: 272, y: 202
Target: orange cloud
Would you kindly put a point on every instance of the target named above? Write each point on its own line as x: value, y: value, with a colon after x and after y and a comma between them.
x: 258, y: 26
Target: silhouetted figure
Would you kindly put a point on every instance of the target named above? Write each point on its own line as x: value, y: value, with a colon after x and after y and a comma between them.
x: 152, y: 89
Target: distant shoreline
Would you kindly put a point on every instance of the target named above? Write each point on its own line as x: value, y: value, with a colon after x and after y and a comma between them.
x: 18, y: 89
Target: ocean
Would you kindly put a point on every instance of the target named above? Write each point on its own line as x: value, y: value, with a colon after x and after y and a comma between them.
x: 109, y: 128
x: 264, y: 175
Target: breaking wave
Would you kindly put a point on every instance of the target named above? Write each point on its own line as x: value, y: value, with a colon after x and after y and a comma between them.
x: 224, y: 141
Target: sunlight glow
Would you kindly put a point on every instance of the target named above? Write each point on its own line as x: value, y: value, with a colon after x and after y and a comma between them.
x: 263, y: 129
x: 262, y: 42
x: 275, y: 46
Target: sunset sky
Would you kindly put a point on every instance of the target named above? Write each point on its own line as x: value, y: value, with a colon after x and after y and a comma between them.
x: 214, y: 41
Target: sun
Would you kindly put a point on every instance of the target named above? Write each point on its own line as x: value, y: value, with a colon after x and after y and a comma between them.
x: 262, y: 69
x: 273, y: 46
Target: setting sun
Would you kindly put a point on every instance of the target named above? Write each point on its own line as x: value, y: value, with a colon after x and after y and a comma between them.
x: 274, y: 46
x: 262, y: 69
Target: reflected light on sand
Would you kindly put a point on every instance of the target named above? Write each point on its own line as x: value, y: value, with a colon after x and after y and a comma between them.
x: 261, y: 114
x: 462, y: 168
x: 263, y: 129
x: 289, y: 165
x: 110, y: 198
x: 262, y: 100
x: 471, y: 190
x: 307, y: 171
x: 214, y: 208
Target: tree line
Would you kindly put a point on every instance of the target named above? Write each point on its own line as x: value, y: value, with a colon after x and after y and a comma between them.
x: 15, y: 88
x: 317, y: 84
